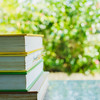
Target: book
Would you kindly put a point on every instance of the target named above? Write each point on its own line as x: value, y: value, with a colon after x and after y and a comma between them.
x: 37, y: 92
x: 21, y: 81
x: 9, y: 63
x: 20, y: 43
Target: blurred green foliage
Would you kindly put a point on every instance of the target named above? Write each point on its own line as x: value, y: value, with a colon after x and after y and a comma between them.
x: 69, y: 27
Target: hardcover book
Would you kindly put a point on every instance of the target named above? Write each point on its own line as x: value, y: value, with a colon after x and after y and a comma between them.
x: 37, y: 92
x: 19, y: 62
x: 21, y: 81
x: 19, y: 43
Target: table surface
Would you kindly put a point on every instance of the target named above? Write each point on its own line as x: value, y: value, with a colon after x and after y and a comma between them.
x: 73, y: 90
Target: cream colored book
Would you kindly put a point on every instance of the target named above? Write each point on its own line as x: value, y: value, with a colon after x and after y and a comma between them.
x: 19, y: 43
x: 20, y: 63
x: 21, y: 81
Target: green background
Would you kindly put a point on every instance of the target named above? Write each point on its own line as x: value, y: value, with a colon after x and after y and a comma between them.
x: 70, y: 29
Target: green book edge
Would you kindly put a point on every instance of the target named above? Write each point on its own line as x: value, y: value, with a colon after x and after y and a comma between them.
x: 24, y: 90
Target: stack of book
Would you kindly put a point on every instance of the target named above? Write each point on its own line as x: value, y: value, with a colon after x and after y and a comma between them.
x: 21, y: 67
